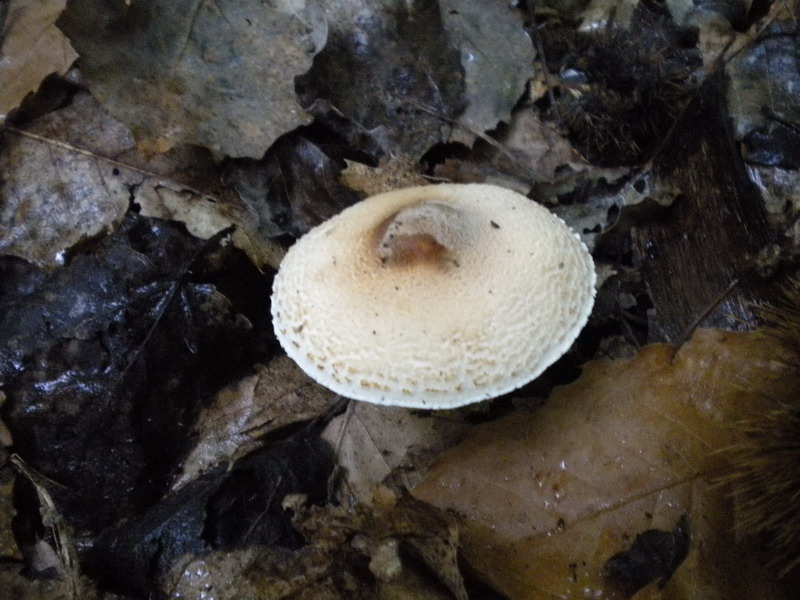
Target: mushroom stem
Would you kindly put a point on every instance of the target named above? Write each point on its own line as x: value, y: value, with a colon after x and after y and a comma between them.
x: 419, y: 234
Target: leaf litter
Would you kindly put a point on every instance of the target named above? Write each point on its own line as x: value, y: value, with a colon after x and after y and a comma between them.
x: 276, y: 396
x: 632, y: 445
x: 74, y: 173
x: 424, y: 73
x: 189, y: 491
x: 215, y: 74
x: 23, y: 65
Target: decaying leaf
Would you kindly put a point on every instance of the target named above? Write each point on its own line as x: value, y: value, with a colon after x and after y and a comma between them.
x: 550, y: 496
x: 54, y: 195
x: 387, y: 66
x: 380, y: 530
x: 106, y: 362
x: 31, y: 47
x: 431, y: 534
x: 497, y: 59
x: 311, y: 573
x: 225, y: 510
x: 363, y: 553
x: 72, y: 174
x: 216, y: 74
x: 375, y: 444
x: 277, y: 395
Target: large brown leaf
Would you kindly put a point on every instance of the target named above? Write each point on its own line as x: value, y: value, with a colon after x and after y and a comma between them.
x: 549, y: 496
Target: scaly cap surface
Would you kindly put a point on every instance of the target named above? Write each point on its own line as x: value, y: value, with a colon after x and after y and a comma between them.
x: 434, y: 296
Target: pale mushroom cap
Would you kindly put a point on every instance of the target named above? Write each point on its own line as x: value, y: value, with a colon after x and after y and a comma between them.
x: 434, y: 296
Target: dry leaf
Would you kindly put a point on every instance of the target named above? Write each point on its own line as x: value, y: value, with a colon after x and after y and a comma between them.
x: 216, y: 74
x: 72, y: 175
x: 32, y: 48
x: 535, y: 145
x: 550, y: 496
x: 392, y: 174
x: 497, y: 58
x: 374, y: 442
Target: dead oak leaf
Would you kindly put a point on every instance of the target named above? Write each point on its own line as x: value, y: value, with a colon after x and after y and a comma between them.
x: 549, y: 496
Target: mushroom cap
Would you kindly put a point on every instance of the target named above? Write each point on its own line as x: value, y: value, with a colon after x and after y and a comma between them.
x: 434, y: 296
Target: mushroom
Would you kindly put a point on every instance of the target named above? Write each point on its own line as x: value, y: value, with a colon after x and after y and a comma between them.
x: 434, y: 296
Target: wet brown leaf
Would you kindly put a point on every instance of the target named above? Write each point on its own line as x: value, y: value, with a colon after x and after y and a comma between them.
x: 116, y: 327
x: 549, y: 496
